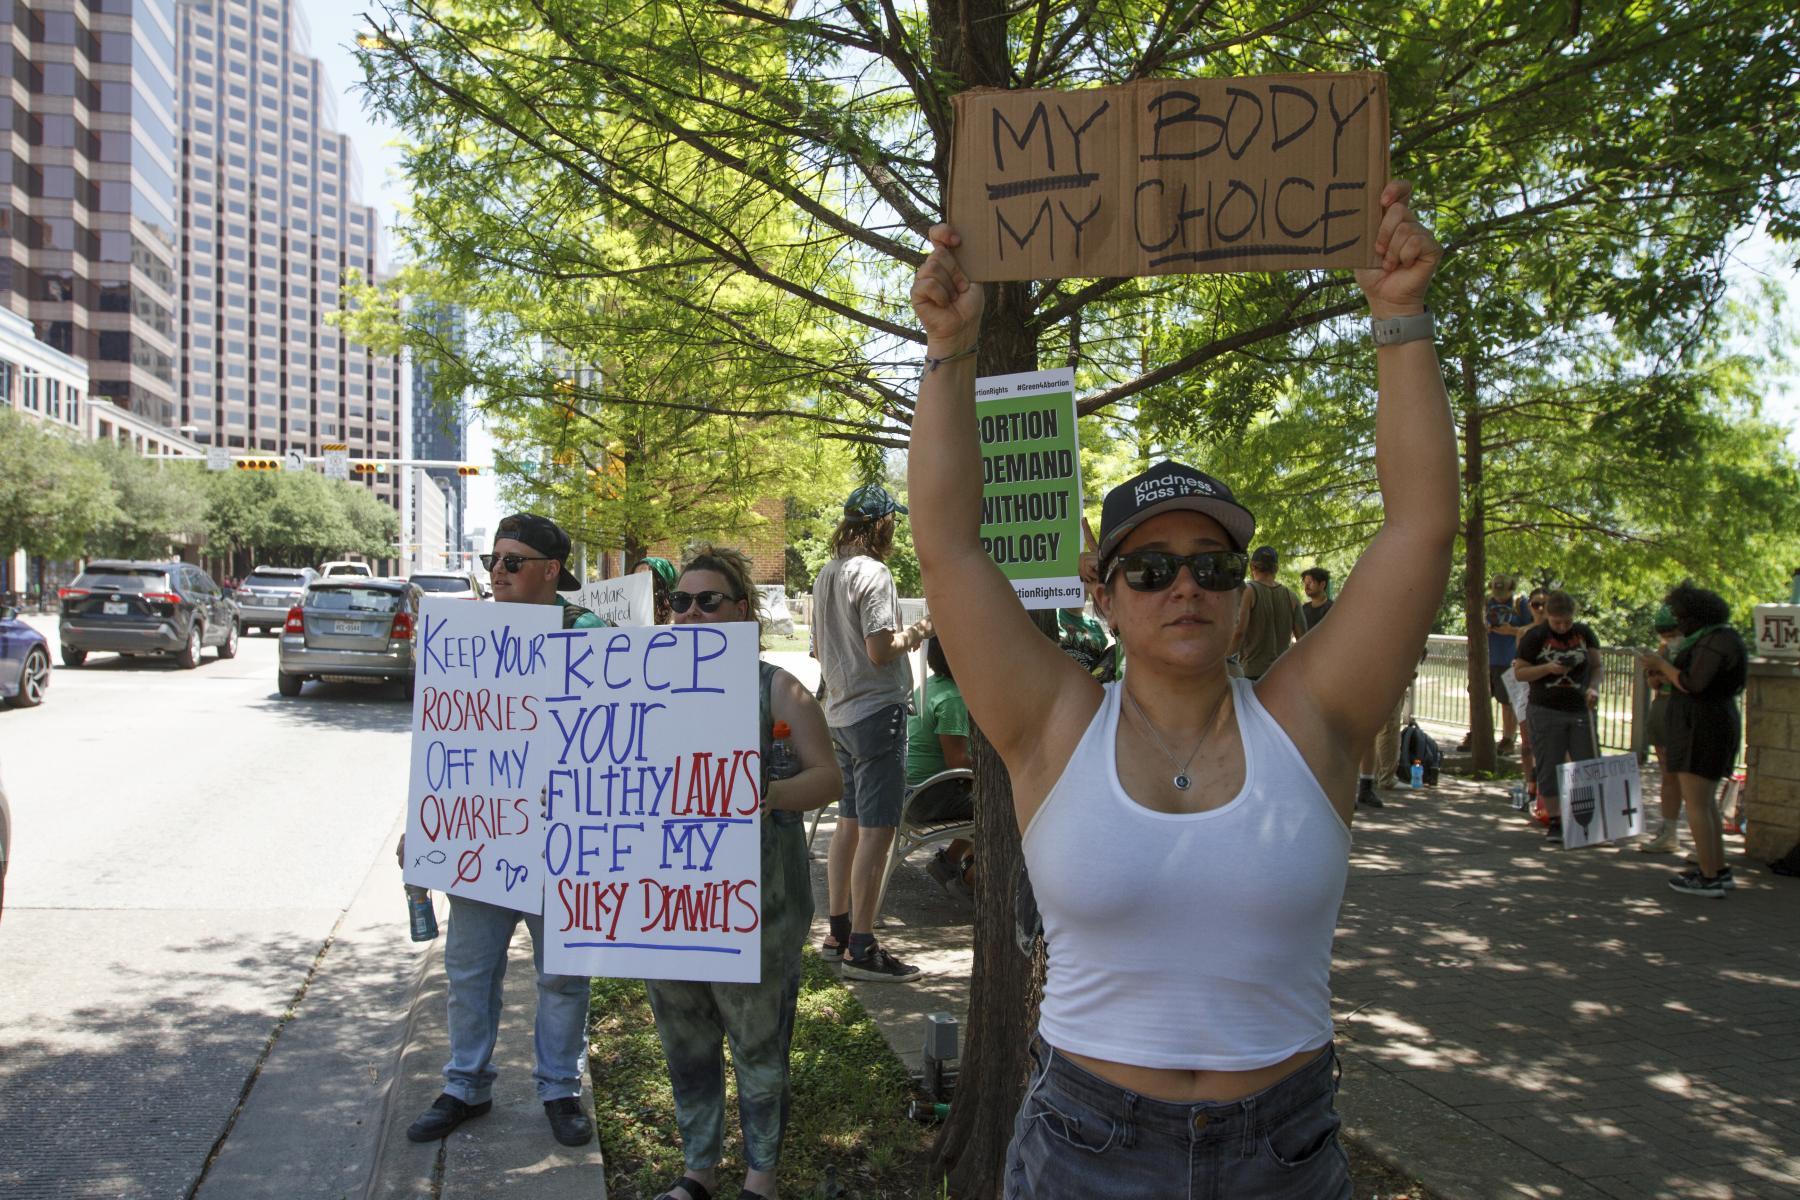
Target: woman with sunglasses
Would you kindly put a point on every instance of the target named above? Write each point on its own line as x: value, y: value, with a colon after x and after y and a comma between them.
x: 1185, y: 1035
x: 694, y: 1019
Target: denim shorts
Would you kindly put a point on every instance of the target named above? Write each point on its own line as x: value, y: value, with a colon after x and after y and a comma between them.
x: 872, y: 756
x: 1078, y: 1136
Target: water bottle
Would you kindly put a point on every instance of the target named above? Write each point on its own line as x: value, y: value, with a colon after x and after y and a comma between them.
x: 419, y: 909
x: 1418, y: 774
x: 783, y: 762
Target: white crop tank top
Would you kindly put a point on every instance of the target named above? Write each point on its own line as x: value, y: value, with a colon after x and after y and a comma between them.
x: 1197, y: 941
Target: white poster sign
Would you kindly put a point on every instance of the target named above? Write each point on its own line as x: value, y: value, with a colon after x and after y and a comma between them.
x: 1777, y: 630
x: 653, y: 847
x: 479, y: 739
x: 1601, y: 800
x: 624, y: 600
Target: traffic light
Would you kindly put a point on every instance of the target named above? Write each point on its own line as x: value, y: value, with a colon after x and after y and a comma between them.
x: 465, y: 470
x: 368, y: 468
x: 257, y: 464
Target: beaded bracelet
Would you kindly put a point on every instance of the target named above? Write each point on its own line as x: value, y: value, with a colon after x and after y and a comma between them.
x: 932, y: 364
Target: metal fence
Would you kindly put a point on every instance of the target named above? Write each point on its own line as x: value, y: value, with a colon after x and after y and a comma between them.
x: 1441, y: 692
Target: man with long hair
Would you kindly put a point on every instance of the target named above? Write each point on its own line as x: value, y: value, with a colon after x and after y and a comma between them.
x: 862, y: 653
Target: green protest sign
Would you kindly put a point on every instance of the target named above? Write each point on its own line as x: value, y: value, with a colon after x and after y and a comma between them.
x: 1031, y: 484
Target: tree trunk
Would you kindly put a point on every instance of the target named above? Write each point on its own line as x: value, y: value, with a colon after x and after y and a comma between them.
x: 1003, y: 993
x: 1481, y: 709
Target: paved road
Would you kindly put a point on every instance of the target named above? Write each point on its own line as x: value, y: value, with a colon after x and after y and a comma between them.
x: 186, y: 842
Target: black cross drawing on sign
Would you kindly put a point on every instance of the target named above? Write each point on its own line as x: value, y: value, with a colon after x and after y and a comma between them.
x: 1630, y: 810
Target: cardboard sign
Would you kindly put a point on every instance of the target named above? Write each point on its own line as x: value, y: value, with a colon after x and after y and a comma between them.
x: 1601, y: 800
x: 1031, y: 484
x: 472, y: 802
x: 624, y: 600
x: 1169, y: 176
x: 653, y: 847
x: 1777, y: 630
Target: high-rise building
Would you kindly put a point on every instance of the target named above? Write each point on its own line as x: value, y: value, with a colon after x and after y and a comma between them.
x: 440, y: 422
x: 89, y: 231
x: 272, y: 226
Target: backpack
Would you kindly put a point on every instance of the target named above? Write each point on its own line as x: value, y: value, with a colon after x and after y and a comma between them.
x: 1416, y: 744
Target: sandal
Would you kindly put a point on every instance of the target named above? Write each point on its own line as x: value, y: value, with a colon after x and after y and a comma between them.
x: 693, y: 1187
x: 829, y: 951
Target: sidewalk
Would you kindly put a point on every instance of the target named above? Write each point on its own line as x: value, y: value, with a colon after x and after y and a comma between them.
x: 1515, y: 1020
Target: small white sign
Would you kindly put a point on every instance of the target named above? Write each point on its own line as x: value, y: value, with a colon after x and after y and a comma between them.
x: 1602, y: 800
x: 218, y: 458
x: 1778, y: 630
x: 296, y: 460
x: 337, y: 464
x: 624, y: 600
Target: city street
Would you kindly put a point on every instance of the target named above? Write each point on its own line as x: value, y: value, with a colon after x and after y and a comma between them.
x: 185, y: 844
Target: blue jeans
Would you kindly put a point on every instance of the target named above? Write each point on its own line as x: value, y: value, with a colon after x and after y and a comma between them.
x: 475, y: 952
x: 1078, y: 1136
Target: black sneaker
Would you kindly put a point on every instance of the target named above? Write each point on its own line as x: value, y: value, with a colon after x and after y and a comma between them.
x: 1712, y: 888
x: 879, y: 965
x: 1724, y: 876
x: 940, y: 868
x: 568, y: 1123
x: 444, y: 1115
x: 1553, y: 831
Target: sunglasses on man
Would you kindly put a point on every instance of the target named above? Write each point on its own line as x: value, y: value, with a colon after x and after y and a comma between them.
x: 510, y: 563
x: 1155, y: 570
x: 708, y: 601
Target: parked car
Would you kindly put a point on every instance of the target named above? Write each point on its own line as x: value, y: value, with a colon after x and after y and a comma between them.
x: 5, y: 844
x: 24, y: 661
x: 344, y: 566
x: 460, y: 585
x: 266, y: 594
x: 131, y: 607
x: 350, y: 627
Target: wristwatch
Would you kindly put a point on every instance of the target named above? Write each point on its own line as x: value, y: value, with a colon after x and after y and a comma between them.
x: 1391, y: 331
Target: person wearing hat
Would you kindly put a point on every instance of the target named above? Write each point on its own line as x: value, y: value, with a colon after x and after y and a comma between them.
x: 862, y: 651
x: 528, y: 565
x: 1185, y: 1036
x: 662, y: 582
x: 1271, y: 619
x: 1668, y: 838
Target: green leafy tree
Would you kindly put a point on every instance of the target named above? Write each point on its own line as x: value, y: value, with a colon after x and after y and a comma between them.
x: 159, y: 505
x: 52, y: 495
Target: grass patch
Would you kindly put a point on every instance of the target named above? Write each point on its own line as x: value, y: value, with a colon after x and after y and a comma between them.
x: 849, y: 1106
x: 797, y: 643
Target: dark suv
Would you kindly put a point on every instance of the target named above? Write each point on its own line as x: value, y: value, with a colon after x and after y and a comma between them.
x: 146, y: 608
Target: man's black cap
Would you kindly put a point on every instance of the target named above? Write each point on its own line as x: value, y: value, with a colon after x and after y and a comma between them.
x: 1168, y: 487
x: 546, y: 537
x: 1265, y: 556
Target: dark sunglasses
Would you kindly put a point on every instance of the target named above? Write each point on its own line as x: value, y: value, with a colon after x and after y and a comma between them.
x: 510, y: 563
x: 708, y: 601
x: 1154, y: 570
x: 1537, y: 604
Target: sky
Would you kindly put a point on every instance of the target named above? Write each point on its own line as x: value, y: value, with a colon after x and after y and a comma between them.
x: 333, y: 26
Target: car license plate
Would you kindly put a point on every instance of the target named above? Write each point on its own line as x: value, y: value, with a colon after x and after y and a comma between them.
x: 346, y: 627
x: 115, y: 610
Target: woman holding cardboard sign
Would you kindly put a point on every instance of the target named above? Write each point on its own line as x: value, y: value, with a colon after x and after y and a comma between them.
x: 694, y: 1019
x: 1185, y: 1037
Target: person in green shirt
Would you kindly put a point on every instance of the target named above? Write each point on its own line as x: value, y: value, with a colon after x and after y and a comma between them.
x: 937, y: 739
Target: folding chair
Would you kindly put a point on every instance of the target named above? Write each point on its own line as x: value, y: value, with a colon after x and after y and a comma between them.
x: 914, y: 835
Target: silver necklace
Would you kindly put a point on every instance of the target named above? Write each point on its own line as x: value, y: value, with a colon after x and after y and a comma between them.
x: 1181, y: 780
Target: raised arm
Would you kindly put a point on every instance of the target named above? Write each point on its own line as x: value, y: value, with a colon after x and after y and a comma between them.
x: 1337, y: 686
x: 1021, y: 690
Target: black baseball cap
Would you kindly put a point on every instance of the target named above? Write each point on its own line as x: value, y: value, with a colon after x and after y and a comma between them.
x: 871, y: 502
x: 1169, y: 487
x: 546, y: 537
x: 1265, y: 556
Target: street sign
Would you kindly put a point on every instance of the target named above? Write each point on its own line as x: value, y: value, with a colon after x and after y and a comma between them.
x: 296, y: 460
x: 337, y: 463
x: 218, y: 458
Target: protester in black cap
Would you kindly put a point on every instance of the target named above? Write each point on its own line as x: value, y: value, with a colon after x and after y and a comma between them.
x: 862, y: 649
x: 1186, y: 1008
x: 1271, y: 618
x: 527, y: 566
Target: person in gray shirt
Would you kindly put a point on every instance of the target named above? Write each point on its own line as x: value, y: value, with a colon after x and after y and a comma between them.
x: 862, y: 655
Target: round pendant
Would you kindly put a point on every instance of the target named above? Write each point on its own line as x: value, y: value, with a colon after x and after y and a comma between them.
x: 1182, y: 781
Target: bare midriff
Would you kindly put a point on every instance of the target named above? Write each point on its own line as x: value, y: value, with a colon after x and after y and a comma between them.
x: 1192, y: 1087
